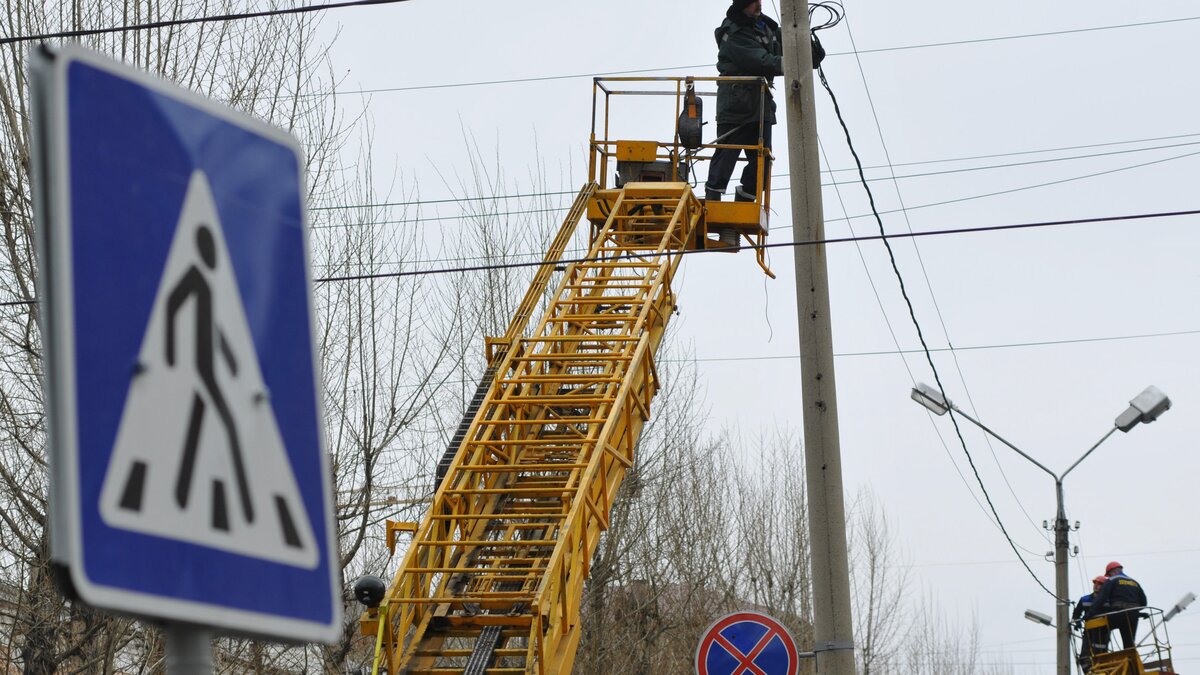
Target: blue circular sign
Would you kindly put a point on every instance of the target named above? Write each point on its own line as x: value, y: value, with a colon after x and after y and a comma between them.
x: 747, y: 643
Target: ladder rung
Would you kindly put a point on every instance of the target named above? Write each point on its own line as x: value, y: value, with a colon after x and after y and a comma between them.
x: 581, y: 358
x: 501, y: 543
x: 611, y: 278
x: 520, y: 620
x: 472, y: 600
x: 540, y: 491
x: 506, y: 516
x: 459, y: 671
x: 515, y: 574
x: 569, y: 420
x: 516, y: 468
x: 617, y: 264
x: 583, y: 338
x: 450, y: 653
x: 563, y: 378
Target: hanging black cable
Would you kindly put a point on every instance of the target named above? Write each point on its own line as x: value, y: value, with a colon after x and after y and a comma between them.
x: 921, y: 337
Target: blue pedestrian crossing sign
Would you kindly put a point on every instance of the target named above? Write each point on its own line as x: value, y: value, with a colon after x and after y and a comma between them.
x: 189, y: 479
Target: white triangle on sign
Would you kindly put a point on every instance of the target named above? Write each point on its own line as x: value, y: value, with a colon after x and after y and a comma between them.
x: 198, y: 456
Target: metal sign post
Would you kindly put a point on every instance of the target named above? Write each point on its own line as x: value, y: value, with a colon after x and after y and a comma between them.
x: 189, y: 479
x: 189, y: 650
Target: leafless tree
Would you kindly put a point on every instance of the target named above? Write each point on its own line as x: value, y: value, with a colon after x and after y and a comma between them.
x: 772, y: 530
x: 273, y: 68
x: 695, y: 534
x: 879, y: 581
x: 939, y: 642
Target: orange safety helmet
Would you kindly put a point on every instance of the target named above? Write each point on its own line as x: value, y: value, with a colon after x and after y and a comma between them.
x: 1099, y: 581
x: 1114, y: 565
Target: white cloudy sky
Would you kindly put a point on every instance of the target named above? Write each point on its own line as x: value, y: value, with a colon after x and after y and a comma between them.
x: 1098, y: 123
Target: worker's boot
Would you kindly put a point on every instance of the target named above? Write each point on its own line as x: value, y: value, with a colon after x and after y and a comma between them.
x: 711, y: 194
x: 742, y: 196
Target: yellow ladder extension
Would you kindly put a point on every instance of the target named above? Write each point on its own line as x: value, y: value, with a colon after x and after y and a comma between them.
x: 492, y: 581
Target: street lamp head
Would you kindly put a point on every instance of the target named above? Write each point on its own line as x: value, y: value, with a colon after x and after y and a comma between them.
x: 1038, y: 617
x: 931, y: 398
x: 1145, y: 408
x: 1180, y: 606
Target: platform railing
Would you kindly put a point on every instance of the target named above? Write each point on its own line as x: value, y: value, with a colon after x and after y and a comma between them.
x: 603, y: 147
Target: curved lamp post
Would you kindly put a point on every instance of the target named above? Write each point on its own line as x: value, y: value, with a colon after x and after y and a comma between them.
x: 1145, y: 408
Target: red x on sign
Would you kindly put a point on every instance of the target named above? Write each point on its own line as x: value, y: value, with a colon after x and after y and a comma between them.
x: 747, y: 643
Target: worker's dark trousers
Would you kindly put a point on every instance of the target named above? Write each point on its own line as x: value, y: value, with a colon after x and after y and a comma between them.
x: 724, y: 159
x: 1126, y: 622
x: 1096, y: 640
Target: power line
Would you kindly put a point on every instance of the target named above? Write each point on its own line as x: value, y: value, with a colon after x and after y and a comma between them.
x: 447, y: 200
x: 921, y: 337
x: 1053, y: 33
x: 900, y: 351
x: 845, y: 214
x: 1008, y: 165
x: 1022, y: 188
x: 784, y: 188
x: 576, y: 250
x: 425, y: 219
x: 829, y: 240
x: 937, y: 308
x: 530, y: 195
x: 84, y: 32
x: 892, y: 332
x: 1035, y: 151
x: 877, y: 50
x: 1004, y: 345
x: 515, y: 80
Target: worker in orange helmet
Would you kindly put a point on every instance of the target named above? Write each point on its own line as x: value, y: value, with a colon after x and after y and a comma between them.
x: 1095, y: 639
x: 1120, y: 597
x: 1086, y: 601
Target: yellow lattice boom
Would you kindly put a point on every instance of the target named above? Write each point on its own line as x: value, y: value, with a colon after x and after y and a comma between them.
x: 492, y: 580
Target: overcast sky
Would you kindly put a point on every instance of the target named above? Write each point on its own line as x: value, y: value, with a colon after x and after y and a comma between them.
x: 1078, y: 124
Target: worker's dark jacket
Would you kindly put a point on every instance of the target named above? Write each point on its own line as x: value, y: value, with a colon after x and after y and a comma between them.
x: 750, y: 47
x: 1082, y: 606
x: 1119, y: 592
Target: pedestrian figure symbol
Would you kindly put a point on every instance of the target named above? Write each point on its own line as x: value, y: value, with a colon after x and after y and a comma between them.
x: 194, y: 286
x: 198, y: 455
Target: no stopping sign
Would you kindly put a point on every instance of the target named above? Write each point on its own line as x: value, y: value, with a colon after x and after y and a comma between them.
x: 747, y: 643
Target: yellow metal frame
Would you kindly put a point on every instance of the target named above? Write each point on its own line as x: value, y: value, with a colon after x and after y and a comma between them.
x: 513, y: 527
x: 749, y: 219
x: 508, y: 539
x: 1152, y: 655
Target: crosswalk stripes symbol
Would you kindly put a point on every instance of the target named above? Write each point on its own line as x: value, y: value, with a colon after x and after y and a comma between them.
x: 198, y: 455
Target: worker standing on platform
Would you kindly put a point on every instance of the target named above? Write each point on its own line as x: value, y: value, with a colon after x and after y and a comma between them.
x: 1119, y: 594
x: 748, y: 44
x: 1095, y: 640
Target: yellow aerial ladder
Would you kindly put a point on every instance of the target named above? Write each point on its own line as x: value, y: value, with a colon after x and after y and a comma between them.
x: 492, y: 579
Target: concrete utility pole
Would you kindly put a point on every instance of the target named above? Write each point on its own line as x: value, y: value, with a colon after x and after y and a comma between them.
x: 833, y: 631
x: 1062, y: 583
